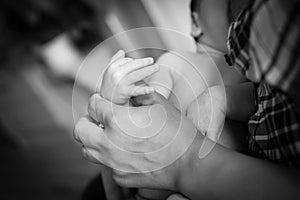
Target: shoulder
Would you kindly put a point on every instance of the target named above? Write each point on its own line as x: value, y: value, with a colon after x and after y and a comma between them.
x: 183, y: 59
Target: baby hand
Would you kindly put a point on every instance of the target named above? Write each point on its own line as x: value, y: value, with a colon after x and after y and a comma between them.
x: 121, y: 79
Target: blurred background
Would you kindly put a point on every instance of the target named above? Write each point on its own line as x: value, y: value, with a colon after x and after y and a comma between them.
x: 42, y: 44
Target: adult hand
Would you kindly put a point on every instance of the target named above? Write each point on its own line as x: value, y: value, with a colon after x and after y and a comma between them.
x: 155, y: 162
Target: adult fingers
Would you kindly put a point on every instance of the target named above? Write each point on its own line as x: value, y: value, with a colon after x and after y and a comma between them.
x: 87, y: 132
x: 79, y: 126
x: 142, y: 73
x: 100, y: 109
x: 90, y: 155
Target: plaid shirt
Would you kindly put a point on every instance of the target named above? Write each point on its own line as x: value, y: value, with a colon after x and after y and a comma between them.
x: 264, y: 45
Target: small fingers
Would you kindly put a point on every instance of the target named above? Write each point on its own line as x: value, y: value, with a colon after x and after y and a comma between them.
x: 137, y: 90
x: 100, y: 109
x: 117, y: 56
x: 112, y: 70
x: 143, y: 73
x: 136, y: 64
x: 119, y: 63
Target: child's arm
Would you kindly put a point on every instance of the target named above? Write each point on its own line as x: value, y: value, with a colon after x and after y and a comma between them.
x: 209, y: 110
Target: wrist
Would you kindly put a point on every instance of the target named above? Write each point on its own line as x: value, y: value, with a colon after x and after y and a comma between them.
x: 202, y: 174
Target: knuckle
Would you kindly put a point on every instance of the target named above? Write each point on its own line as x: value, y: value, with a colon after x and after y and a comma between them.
x: 80, y: 124
x: 78, y: 128
x: 85, y: 153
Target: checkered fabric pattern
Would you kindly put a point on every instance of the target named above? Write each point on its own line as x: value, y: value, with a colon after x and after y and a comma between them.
x: 264, y: 45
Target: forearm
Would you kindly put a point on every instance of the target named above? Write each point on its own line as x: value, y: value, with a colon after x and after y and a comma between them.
x: 240, y: 101
x: 225, y: 174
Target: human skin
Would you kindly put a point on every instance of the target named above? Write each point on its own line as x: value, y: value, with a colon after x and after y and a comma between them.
x: 187, y: 65
x: 209, y: 72
x: 212, y: 19
x: 194, y: 73
x: 120, y: 78
x: 118, y: 86
x: 233, y: 135
x: 225, y: 174
x: 222, y: 174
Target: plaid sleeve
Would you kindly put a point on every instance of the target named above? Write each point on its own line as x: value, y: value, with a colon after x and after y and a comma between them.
x: 275, y: 45
x: 267, y: 36
x: 264, y: 45
x: 274, y: 128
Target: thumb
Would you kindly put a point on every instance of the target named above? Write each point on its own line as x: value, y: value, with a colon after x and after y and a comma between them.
x: 100, y: 109
x: 177, y: 197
